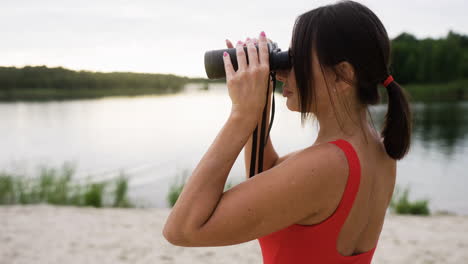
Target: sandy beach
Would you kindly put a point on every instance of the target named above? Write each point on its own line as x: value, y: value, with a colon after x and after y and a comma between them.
x: 52, y: 234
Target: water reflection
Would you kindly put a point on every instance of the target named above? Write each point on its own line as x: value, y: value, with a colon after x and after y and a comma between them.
x: 153, y: 138
x: 443, y: 126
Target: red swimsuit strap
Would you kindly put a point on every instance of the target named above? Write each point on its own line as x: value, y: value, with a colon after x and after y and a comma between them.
x: 352, y: 183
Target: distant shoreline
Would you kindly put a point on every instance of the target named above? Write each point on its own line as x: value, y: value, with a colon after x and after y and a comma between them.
x: 452, y: 91
x: 41, y: 83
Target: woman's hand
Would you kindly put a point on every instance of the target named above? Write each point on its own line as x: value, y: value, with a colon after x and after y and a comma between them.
x: 247, y: 86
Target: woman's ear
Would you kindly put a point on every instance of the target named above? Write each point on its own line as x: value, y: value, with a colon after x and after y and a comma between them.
x: 345, y: 74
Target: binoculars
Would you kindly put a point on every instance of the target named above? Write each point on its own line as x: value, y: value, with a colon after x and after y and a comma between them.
x: 214, y: 64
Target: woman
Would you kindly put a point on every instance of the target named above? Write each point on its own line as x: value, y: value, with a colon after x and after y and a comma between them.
x: 325, y: 203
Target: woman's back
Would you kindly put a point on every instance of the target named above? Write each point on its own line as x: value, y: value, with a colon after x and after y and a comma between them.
x: 362, y: 228
x: 356, y: 213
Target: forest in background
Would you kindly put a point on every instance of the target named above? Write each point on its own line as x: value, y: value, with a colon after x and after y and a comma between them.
x: 429, y: 60
x: 428, y: 68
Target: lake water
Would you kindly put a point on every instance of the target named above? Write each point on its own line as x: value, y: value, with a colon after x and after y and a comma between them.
x: 155, y: 139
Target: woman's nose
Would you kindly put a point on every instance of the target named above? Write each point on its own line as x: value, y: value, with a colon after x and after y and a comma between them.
x: 281, y: 75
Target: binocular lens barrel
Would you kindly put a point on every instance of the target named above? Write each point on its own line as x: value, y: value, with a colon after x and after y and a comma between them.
x: 214, y: 64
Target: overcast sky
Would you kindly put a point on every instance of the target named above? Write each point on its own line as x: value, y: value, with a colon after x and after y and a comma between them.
x: 162, y: 36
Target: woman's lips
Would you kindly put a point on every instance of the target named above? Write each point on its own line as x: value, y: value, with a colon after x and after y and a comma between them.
x: 286, y: 92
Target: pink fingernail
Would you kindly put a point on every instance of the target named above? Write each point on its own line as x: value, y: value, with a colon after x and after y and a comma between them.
x: 239, y: 42
x: 248, y: 39
x: 262, y: 34
x: 225, y: 54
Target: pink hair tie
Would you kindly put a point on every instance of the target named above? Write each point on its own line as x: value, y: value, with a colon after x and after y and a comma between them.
x: 387, y: 81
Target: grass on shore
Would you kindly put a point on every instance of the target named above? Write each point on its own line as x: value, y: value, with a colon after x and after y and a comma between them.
x: 401, y: 205
x: 47, y: 94
x: 177, y: 186
x: 450, y: 91
x: 58, y: 187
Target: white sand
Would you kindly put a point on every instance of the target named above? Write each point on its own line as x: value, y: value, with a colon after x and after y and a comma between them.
x: 49, y: 234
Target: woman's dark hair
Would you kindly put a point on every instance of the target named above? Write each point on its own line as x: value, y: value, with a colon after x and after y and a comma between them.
x: 349, y: 31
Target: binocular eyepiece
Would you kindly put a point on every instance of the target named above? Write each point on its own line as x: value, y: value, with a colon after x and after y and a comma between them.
x: 214, y: 64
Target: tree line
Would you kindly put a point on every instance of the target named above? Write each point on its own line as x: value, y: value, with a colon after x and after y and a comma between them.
x: 429, y: 60
x: 41, y: 77
x: 413, y: 60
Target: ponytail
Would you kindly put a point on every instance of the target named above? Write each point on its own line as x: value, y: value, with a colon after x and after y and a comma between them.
x: 398, y: 121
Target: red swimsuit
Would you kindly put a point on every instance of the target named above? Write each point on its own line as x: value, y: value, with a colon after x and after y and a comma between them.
x: 301, y: 244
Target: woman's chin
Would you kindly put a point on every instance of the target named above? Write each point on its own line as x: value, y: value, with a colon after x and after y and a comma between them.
x: 290, y: 104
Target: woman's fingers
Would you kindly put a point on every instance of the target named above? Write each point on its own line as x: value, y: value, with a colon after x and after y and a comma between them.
x: 241, y: 56
x: 263, y: 49
x: 252, y: 52
x: 228, y: 68
x: 229, y: 44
